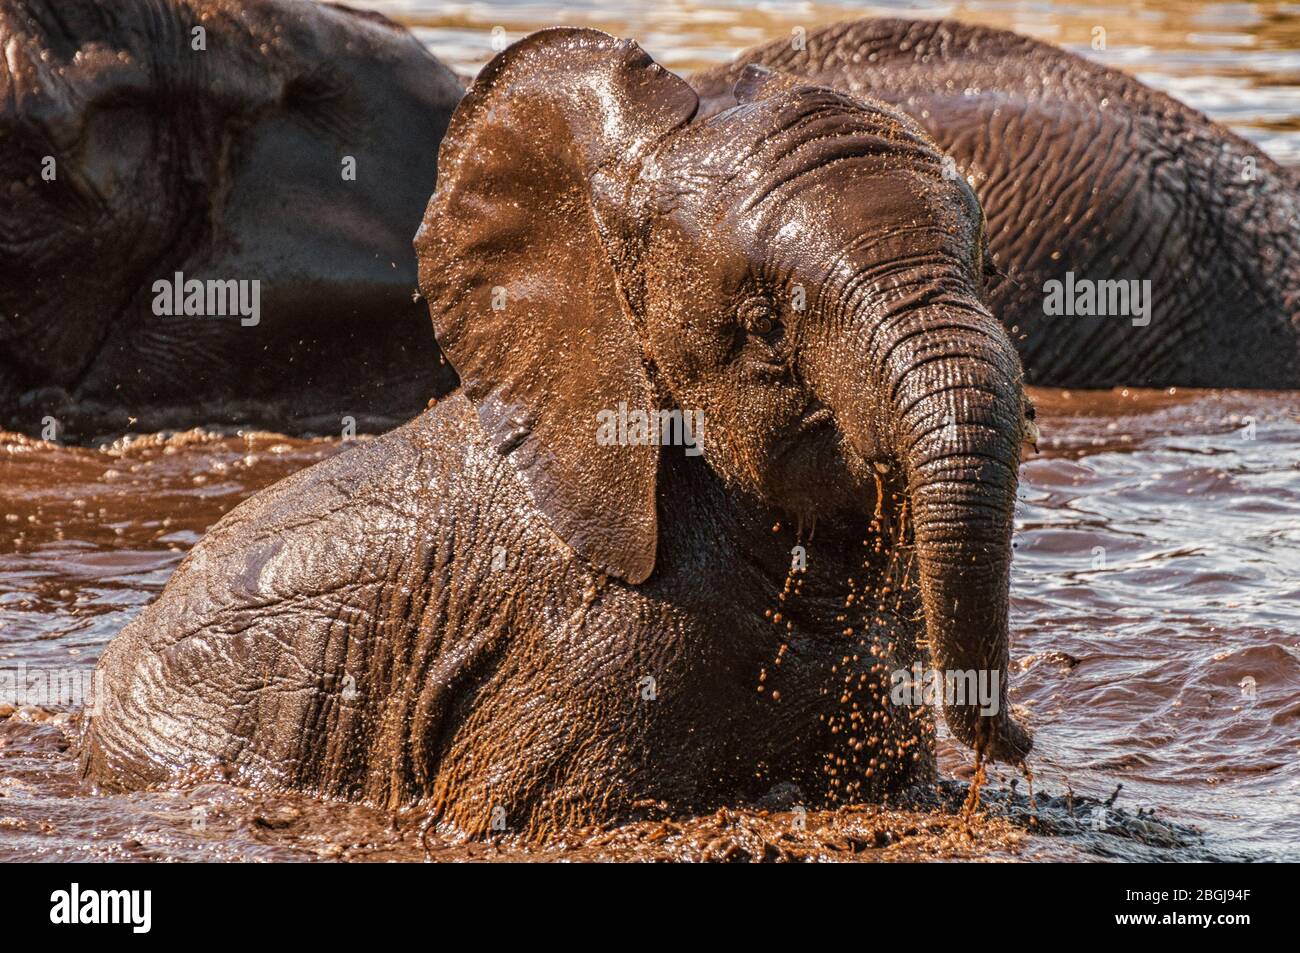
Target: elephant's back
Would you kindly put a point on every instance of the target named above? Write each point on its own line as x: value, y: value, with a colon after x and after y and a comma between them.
x: 292, y: 592
x: 183, y: 684
x: 893, y: 58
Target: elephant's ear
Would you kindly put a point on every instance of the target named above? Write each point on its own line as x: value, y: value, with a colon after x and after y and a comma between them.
x: 516, y: 263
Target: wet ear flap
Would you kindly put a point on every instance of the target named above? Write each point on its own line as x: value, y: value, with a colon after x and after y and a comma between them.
x: 516, y: 264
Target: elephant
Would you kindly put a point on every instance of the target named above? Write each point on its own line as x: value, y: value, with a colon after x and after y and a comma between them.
x: 209, y: 208
x: 734, y: 447
x: 1132, y: 240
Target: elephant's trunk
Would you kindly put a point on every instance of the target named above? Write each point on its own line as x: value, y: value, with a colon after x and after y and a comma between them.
x: 958, y: 409
x: 950, y: 386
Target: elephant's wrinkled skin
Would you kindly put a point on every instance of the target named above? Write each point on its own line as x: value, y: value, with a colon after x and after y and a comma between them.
x: 223, y: 162
x: 496, y: 613
x: 1084, y: 169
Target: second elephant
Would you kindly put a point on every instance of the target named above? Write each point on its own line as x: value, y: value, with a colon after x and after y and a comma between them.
x: 208, y: 215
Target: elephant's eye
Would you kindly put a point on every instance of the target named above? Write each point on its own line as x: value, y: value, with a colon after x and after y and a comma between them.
x: 758, y: 315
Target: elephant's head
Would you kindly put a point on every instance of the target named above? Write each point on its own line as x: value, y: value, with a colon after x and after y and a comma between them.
x: 798, y: 268
x: 139, y: 138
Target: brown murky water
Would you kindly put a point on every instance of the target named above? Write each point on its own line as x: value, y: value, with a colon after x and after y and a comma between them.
x: 1156, y: 586
x: 1156, y: 645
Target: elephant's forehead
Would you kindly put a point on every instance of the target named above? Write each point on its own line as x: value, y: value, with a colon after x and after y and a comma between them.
x: 811, y: 166
x: 800, y: 129
x: 846, y: 216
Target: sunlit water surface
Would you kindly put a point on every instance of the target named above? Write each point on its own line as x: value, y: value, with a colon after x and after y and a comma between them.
x: 1239, y: 62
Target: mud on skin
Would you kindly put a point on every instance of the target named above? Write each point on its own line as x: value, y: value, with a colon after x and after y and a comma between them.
x: 349, y: 632
x: 128, y: 155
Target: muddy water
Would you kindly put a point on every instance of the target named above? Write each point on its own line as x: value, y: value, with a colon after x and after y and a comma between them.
x: 1156, y: 586
x: 1156, y: 620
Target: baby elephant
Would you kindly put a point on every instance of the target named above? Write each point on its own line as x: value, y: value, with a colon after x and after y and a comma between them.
x: 589, y: 580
